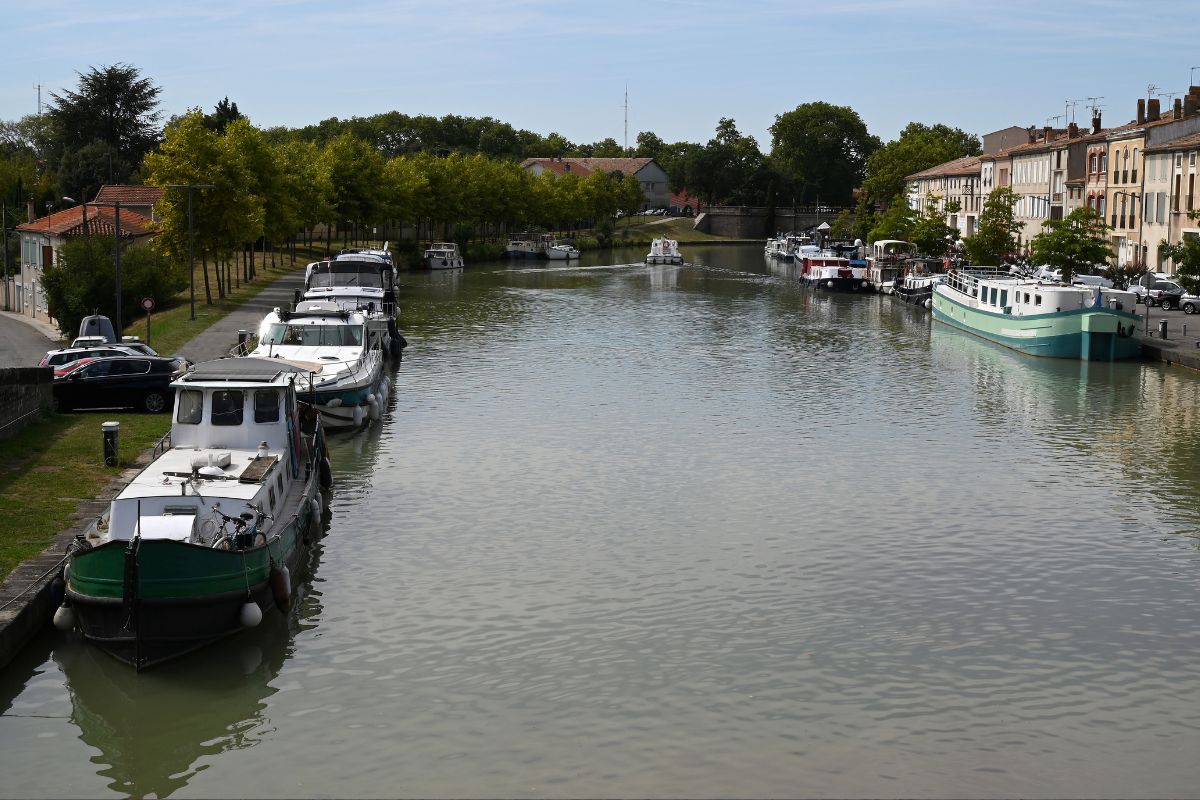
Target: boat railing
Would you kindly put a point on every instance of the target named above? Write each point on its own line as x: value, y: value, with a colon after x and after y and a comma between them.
x: 967, y: 279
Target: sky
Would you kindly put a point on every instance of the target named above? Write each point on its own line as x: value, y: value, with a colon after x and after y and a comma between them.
x: 556, y: 65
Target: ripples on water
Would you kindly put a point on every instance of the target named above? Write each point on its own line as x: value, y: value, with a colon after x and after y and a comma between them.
x: 697, y: 531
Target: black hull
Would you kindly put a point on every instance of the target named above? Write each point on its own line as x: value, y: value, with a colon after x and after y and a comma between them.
x: 165, y: 629
x: 915, y: 297
x: 847, y: 285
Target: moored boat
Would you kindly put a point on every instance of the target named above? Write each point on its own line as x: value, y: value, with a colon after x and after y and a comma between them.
x: 210, y: 535
x: 1040, y: 318
x: 915, y: 285
x: 443, y: 255
x: 359, y: 281
x: 664, y: 251
x: 833, y: 273
x: 341, y: 366
x: 886, y: 263
x: 521, y: 245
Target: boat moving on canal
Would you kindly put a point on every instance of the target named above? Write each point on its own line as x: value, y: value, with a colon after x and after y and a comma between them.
x: 443, y: 255
x: 341, y: 364
x: 359, y: 281
x: 211, y: 534
x: 664, y: 251
x: 1040, y: 318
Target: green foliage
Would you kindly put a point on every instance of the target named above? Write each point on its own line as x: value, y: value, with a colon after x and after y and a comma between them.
x: 864, y: 220
x: 995, y: 238
x: 112, y: 104
x: 842, y: 227
x: 823, y: 148
x: 1186, y: 255
x: 84, y: 281
x: 918, y: 148
x: 930, y: 233
x: 224, y: 113
x: 895, y: 223
x: 649, y: 145
x: 1077, y: 241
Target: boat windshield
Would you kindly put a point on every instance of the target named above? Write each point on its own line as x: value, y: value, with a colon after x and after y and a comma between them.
x: 313, y: 335
x: 335, y: 273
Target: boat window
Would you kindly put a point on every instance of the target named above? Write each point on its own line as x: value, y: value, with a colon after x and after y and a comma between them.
x: 993, y: 300
x: 313, y: 335
x: 346, y: 274
x: 190, y: 406
x: 266, y: 405
x: 1027, y: 297
x: 227, y: 405
x: 1037, y: 299
x: 1003, y: 298
x: 271, y: 495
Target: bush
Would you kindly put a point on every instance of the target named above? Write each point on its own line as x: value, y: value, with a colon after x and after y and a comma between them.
x: 83, y: 281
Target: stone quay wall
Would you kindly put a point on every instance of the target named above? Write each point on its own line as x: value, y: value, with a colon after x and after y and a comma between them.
x: 24, y: 397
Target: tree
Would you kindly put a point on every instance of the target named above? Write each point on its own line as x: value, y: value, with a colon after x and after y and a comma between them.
x: 895, y: 223
x: 114, y: 105
x: 824, y: 148
x: 649, y: 145
x: 919, y: 147
x: 1186, y: 255
x: 1072, y: 243
x: 224, y: 113
x: 84, y: 170
x: 930, y: 233
x: 995, y: 238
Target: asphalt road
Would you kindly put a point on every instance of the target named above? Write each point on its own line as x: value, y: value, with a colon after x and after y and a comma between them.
x: 22, y: 345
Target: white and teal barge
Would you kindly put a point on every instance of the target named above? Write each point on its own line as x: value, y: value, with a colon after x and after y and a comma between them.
x: 341, y: 363
x: 1040, y: 318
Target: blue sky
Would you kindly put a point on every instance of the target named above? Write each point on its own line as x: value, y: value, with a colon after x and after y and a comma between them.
x: 563, y: 66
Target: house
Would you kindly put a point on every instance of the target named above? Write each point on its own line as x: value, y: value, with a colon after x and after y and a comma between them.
x: 958, y: 180
x: 651, y: 176
x: 139, y: 199
x: 42, y: 238
x: 1170, y: 194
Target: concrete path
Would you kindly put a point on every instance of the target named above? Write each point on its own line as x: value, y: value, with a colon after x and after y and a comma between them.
x: 216, y: 341
x: 23, y: 341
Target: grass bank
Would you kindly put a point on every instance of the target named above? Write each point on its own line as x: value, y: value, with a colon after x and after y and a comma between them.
x: 54, y: 464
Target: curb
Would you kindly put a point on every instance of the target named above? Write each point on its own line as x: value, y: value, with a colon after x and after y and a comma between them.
x: 1155, y: 350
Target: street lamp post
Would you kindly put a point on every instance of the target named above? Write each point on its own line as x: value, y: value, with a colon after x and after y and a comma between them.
x: 191, y: 241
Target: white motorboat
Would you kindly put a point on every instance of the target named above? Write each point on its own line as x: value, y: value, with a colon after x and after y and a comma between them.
x: 886, y: 263
x: 443, y: 255
x: 359, y: 281
x: 342, y: 364
x: 664, y: 251
x: 522, y: 246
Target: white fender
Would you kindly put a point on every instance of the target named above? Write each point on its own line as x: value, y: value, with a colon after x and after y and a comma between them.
x: 358, y: 415
x: 64, y: 618
x: 251, y: 614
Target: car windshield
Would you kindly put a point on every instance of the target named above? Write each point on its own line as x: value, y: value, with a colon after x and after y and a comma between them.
x: 346, y: 274
x: 313, y: 335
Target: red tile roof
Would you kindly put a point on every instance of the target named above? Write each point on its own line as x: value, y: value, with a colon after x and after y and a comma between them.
x: 100, y: 222
x: 129, y: 195
x: 968, y: 165
x: 586, y: 166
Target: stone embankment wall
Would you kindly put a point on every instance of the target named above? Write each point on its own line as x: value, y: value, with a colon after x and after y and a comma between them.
x: 24, y: 397
x: 755, y: 222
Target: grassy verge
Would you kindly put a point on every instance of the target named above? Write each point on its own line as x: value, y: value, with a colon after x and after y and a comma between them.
x: 51, y: 466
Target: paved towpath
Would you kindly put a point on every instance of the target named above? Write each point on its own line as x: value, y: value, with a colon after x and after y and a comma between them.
x: 222, y: 335
x: 23, y: 341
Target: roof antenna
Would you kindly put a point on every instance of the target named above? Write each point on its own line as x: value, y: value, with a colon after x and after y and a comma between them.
x: 626, y: 119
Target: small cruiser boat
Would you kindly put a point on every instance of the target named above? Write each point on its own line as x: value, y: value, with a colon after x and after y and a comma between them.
x: 834, y: 273
x: 522, y: 246
x: 211, y: 534
x: 664, y: 251
x: 915, y: 285
x: 443, y: 255
x: 341, y: 366
x: 359, y: 281
x: 886, y: 263
x: 1041, y: 318
x: 560, y: 252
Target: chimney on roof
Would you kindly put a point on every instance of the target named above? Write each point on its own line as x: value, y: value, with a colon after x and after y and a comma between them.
x: 1153, y: 111
x: 1072, y: 131
x: 1046, y: 131
x: 1032, y: 131
x: 1177, y: 111
x: 1191, y: 104
x: 1096, y: 121
x: 1141, y: 115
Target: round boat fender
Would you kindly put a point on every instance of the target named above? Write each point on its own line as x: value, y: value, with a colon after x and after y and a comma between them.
x: 251, y: 614
x: 358, y: 416
x: 281, y: 587
x: 829, y: 284
x: 64, y: 617
x: 928, y: 303
x: 373, y: 405
x: 326, y: 474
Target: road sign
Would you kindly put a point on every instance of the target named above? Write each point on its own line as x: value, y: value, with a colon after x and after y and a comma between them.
x: 147, y: 304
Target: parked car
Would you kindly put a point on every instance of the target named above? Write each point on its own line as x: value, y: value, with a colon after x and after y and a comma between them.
x: 61, y: 359
x: 1166, y: 294
x: 141, y: 382
x: 1190, y: 303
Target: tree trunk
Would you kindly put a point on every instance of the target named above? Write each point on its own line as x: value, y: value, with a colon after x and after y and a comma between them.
x: 328, y: 237
x: 220, y: 277
x: 204, y: 267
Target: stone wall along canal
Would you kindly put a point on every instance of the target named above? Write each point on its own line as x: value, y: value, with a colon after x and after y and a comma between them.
x: 694, y: 531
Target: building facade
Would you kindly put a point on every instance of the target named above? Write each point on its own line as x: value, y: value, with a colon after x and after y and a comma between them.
x: 650, y: 175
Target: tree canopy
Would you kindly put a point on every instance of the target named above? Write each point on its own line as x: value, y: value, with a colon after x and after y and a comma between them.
x: 995, y: 237
x: 824, y: 148
x: 1075, y: 242
x: 918, y: 147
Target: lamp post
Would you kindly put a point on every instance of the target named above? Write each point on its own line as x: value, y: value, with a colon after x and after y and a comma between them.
x: 191, y: 241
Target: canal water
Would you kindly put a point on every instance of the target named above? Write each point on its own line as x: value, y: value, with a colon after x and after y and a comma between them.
x: 694, y: 531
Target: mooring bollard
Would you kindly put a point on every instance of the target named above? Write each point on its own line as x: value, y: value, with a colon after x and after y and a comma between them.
x: 112, y: 443
x: 1162, y: 329
x: 242, y: 337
